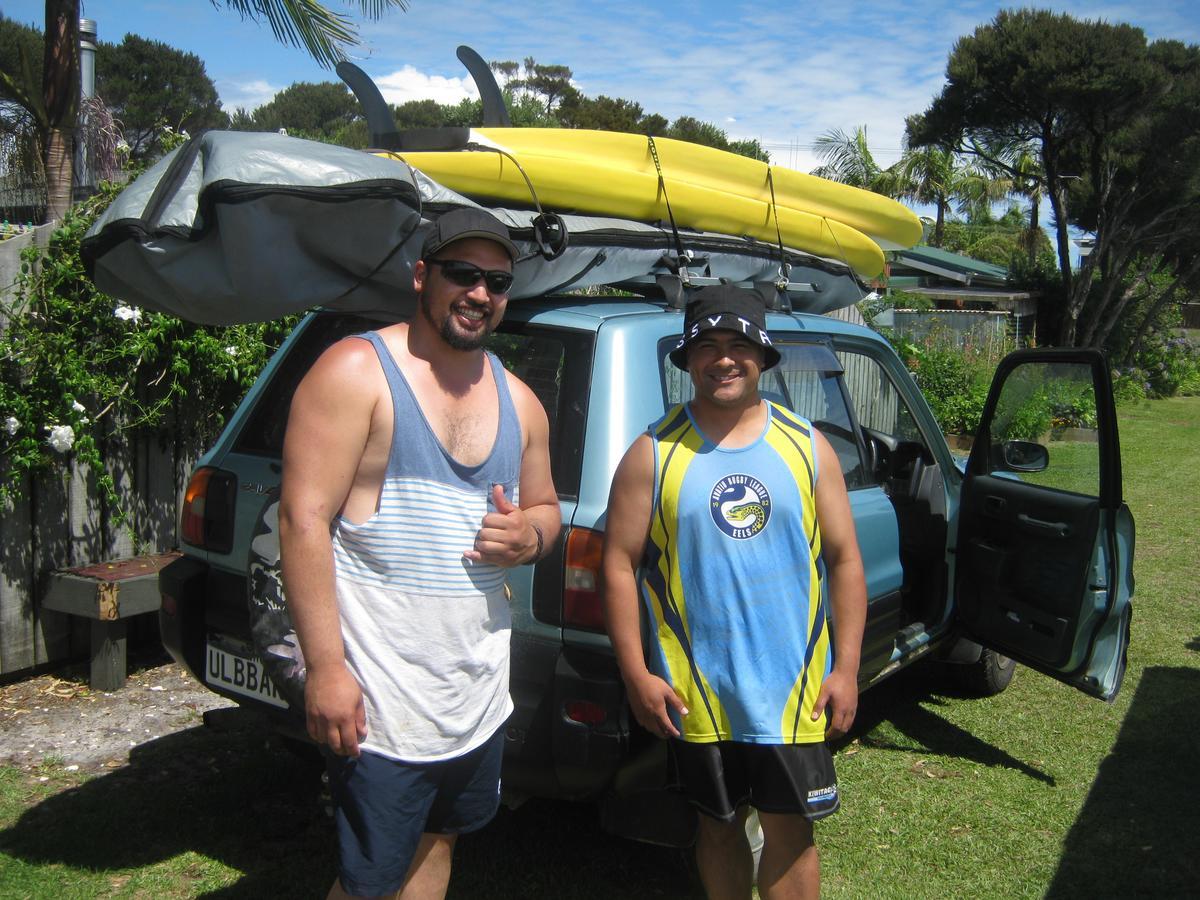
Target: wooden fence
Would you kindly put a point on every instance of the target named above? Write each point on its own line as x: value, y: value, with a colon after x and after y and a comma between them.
x: 61, y: 522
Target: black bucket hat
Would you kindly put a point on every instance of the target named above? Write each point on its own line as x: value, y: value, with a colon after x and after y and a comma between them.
x: 467, y: 222
x: 730, y: 308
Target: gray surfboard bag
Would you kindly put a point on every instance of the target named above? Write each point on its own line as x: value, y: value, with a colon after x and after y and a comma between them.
x: 239, y: 227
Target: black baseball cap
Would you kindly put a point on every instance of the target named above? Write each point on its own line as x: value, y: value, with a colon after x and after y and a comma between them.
x: 467, y: 222
x: 730, y: 308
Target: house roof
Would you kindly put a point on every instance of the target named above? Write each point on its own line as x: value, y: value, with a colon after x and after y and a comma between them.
x: 951, y: 266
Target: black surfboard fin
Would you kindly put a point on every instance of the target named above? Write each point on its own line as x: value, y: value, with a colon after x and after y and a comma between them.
x: 495, y: 113
x: 380, y: 123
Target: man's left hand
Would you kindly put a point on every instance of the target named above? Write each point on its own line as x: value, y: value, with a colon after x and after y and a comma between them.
x: 506, y: 538
x: 840, y: 694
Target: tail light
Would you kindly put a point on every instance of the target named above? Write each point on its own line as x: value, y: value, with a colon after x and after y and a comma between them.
x: 582, y: 607
x: 585, y: 712
x: 206, y: 520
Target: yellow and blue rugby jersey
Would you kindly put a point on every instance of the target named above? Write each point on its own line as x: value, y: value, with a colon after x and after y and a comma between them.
x: 731, y: 580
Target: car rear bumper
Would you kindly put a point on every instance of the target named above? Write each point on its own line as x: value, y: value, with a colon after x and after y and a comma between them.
x: 548, y: 753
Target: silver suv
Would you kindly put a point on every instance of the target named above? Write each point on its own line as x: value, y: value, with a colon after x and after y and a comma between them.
x: 1021, y: 552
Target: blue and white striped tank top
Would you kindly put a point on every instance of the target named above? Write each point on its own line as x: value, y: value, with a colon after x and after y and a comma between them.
x: 426, y: 631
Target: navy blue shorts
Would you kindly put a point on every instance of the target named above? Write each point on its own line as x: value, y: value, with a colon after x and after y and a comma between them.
x: 383, y: 806
x: 789, y: 779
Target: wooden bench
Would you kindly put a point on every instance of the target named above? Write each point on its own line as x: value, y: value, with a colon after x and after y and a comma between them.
x: 108, y: 593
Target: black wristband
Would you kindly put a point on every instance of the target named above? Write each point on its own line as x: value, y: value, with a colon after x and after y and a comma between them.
x: 537, y: 554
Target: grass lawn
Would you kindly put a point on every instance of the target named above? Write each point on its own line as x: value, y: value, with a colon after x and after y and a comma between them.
x: 1040, y: 792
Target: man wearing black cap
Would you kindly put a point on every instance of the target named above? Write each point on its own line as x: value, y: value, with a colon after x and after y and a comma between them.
x: 730, y: 519
x: 415, y: 472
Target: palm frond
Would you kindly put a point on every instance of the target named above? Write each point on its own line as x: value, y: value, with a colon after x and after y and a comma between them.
x: 325, y: 34
x: 846, y: 157
x: 25, y: 90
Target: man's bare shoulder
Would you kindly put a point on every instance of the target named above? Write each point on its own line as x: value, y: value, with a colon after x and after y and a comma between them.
x: 523, y: 397
x: 637, y: 465
x: 347, y: 374
x: 521, y: 392
x: 351, y: 357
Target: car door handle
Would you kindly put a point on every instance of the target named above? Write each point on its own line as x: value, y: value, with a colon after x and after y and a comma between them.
x: 1058, y: 529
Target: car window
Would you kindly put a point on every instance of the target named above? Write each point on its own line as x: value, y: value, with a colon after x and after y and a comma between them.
x: 1052, y: 406
x: 262, y: 435
x: 876, y: 401
x: 808, y: 381
x: 554, y: 363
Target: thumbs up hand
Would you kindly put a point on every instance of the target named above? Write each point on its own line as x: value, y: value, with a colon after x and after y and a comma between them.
x: 505, y: 537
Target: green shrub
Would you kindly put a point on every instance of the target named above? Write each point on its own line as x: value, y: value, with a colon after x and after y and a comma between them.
x: 78, y: 366
x: 1171, y: 364
x: 1129, y: 385
x: 954, y: 379
x: 1071, y: 404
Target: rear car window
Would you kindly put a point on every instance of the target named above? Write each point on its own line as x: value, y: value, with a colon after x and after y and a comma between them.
x: 554, y: 363
x: 807, y: 381
x: 263, y: 432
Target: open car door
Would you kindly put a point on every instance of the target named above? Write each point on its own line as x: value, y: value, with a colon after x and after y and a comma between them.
x: 1045, y: 542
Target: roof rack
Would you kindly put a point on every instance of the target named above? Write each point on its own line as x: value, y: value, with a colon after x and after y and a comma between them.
x: 776, y: 295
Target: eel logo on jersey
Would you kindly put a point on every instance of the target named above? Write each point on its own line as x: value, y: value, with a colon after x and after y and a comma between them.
x: 740, y: 506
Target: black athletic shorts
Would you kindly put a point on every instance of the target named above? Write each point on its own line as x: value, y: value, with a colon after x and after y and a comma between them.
x: 721, y: 777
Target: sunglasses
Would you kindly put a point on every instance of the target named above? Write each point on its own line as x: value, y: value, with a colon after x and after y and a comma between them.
x: 466, y: 274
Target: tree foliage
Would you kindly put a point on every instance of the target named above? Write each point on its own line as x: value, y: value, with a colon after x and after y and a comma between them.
x: 316, y: 111
x: 47, y: 96
x: 1002, y: 241
x: 150, y: 86
x: 930, y: 175
x: 847, y: 158
x: 543, y: 95
x: 1115, y: 123
x: 51, y: 98
x: 78, y: 368
x: 326, y: 35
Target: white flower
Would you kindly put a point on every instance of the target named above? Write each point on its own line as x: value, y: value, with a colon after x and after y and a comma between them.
x: 231, y: 350
x: 62, y: 438
x: 77, y: 406
x: 12, y: 424
x: 127, y: 313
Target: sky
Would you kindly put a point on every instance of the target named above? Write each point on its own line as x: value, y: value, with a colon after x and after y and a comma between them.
x: 780, y: 72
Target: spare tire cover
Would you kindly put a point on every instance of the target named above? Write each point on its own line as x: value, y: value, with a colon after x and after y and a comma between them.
x: 271, y: 629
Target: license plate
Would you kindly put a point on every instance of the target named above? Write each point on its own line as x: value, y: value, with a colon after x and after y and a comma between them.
x: 241, y: 674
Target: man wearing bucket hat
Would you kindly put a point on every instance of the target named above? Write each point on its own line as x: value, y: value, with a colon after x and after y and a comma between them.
x: 730, y: 518
x: 399, y: 515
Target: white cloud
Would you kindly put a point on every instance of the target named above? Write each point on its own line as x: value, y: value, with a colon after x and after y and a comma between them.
x: 409, y: 83
x: 247, y: 95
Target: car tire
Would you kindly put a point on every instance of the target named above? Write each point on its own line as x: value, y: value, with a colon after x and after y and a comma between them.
x: 988, y: 677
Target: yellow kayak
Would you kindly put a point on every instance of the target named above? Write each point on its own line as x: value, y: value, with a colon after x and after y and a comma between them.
x: 614, y: 174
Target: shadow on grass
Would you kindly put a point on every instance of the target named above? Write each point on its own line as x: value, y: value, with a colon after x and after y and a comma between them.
x: 1136, y: 833
x: 230, y: 795
x: 899, y: 700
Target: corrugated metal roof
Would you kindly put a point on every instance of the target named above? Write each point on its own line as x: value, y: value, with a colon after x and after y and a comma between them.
x: 952, y: 266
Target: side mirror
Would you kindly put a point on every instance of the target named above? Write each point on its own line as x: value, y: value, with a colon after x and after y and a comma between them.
x: 1025, y: 456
